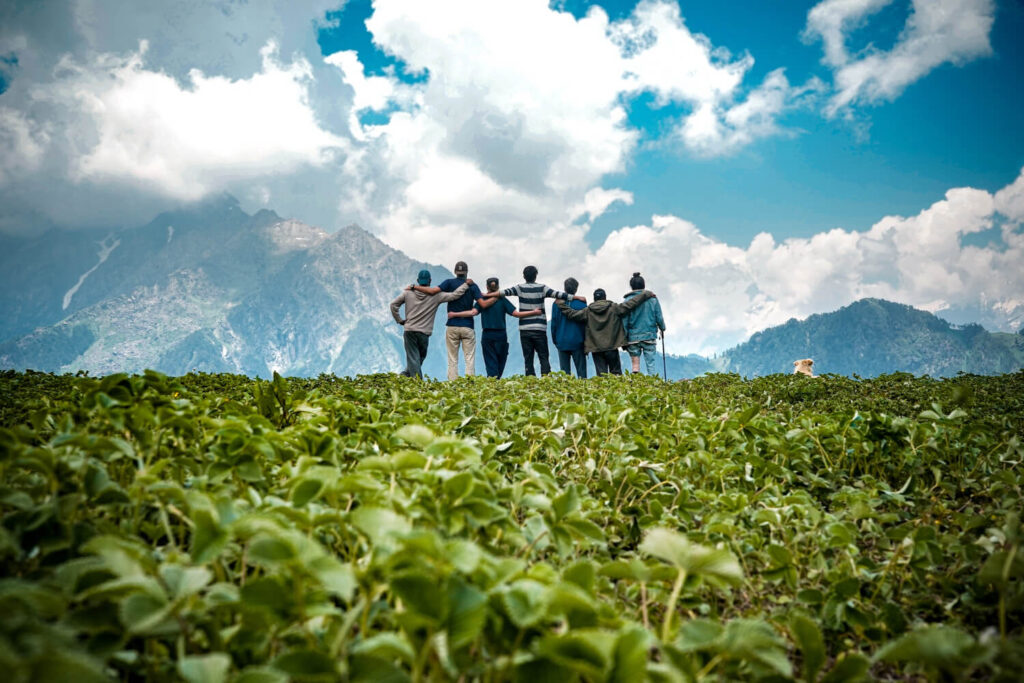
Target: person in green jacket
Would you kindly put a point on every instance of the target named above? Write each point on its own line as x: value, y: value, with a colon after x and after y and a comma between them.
x: 605, y: 333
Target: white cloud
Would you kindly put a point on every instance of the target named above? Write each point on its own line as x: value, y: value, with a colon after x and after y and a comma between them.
x: 185, y: 142
x: 717, y: 294
x: 499, y: 140
x: 937, y: 32
x: 22, y: 144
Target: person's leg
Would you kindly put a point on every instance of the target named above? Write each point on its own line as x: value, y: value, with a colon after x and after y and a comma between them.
x: 600, y: 362
x: 451, y: 339
x: 415, y: 351
x: 636, y: 363
x: 542, y: 353
x: 502, y: 347
x: 564, y: 361
x: 424, y: 342
x: 650, y: 355
x: 614, y: 363
x: 579, y: 359
x: 489, y: 345
x: 527, y: 341
x: 412, y: 352
x: 469, y: 350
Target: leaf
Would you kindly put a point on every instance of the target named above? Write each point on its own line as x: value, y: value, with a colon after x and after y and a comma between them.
x: 850, y: 667
x: 566, y: 503
x: 305, y: 663
x: 379, y: 524
x: 696, y: 560
x: 417, y: 435
x: 467, y: 611
x: 811, y: 643
x: 208, y: 538
x: 525, y: 602
x: 388, y: 646
x: 338, y: 578
x: 421, y: 593
x: 630, y: 660
x: 306, y: 490
x: 212, y: 668
x: 271, y: 550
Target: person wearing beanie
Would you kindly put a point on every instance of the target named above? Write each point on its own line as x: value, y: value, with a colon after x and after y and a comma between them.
x: 419, y: 319
x: 643, y: 326
x: 494, y: 338
x: 459, y: 329
x: 604, y: 333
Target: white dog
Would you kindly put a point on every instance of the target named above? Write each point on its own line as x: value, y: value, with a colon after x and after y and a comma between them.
x: 803, y: 367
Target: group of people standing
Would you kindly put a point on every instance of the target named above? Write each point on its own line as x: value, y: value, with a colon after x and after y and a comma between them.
x: 577, y: 329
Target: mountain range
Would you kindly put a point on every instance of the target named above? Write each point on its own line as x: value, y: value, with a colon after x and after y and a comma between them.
x: 211, y: 288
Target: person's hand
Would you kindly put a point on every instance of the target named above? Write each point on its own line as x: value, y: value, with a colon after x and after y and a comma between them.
x: 451, y: 315
x: 469, y: 281
x: 402, y: 323
x: 580, y: 298
x: 408, y: 287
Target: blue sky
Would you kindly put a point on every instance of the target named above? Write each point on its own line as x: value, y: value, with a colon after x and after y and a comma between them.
x: 959, y: 126
x: 756, y: 160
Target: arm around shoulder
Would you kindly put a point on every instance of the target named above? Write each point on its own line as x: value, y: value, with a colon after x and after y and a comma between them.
x: 571, y: 313
x: 452, y: 296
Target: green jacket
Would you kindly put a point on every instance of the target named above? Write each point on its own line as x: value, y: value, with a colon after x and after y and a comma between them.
x: 604, y: 321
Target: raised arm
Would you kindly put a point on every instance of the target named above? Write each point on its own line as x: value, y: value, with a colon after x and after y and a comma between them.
x: 395, y: 305
x: 452, y: 296
x: 527, y: 314
x: 626, y: 306
x: 463, y: 314
x: 426, y: 290
x: 579, y: 316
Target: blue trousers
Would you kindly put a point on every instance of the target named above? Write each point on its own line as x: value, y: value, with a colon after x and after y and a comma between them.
x: 577, y: 357
x: 495, y: 348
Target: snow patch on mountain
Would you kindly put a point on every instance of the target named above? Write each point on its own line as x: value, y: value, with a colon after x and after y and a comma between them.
x: 108, y: 245
x: 170, y: 233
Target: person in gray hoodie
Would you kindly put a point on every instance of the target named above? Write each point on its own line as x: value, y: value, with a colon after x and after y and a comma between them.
x: 419, y: 320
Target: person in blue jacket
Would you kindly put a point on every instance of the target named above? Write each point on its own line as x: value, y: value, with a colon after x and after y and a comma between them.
x: 643, y: 326
x: 568, y: 334
x: 494, y: 341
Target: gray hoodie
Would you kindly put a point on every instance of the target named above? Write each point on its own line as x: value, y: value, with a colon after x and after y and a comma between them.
x: 420, y: 308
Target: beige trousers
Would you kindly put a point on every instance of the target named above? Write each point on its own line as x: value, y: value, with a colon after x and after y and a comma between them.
x: 466, y: 336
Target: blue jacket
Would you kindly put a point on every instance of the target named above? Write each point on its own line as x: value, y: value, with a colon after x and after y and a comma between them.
x: 644, y: 322
x: 567, y: 334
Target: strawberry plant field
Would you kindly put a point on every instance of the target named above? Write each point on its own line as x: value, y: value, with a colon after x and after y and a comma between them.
x: 215, y: 528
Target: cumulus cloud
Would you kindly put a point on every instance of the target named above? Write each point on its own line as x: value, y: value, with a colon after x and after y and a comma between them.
x: 95, y: 132
x: 936, y: 32
x: 501, y: 141
x: 185, y: 141
x: 719, y: 294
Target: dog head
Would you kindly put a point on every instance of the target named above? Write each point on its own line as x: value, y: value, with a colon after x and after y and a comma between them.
x: 803, y: 367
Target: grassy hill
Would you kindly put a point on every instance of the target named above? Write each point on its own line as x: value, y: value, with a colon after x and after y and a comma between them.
x: 213, y: 528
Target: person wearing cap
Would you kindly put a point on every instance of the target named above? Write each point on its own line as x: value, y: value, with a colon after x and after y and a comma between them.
x: 494, y: 338
x: 419, y: 319
x: 533, y: 331
x: 605, y: 333
x: 459, y: 330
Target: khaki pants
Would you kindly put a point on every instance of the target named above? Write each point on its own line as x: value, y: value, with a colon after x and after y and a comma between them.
x: 453, y: 336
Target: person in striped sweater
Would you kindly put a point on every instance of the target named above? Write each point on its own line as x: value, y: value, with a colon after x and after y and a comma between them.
x: 533, y: 331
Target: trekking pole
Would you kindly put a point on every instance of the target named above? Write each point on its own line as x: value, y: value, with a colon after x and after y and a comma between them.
x: 664, y: 358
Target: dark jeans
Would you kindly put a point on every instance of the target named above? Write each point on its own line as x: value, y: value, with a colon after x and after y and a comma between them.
x: 495, y: 347
x: 535, y: 341
x: 415, y: 352
x: 578, y: 357
x: 607, y: 362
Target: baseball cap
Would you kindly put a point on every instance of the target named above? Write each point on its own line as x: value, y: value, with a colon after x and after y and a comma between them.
x: 461, y: 268
x: 423, y: 278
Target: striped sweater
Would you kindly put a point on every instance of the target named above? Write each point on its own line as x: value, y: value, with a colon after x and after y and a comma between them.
x: 531, y: 298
